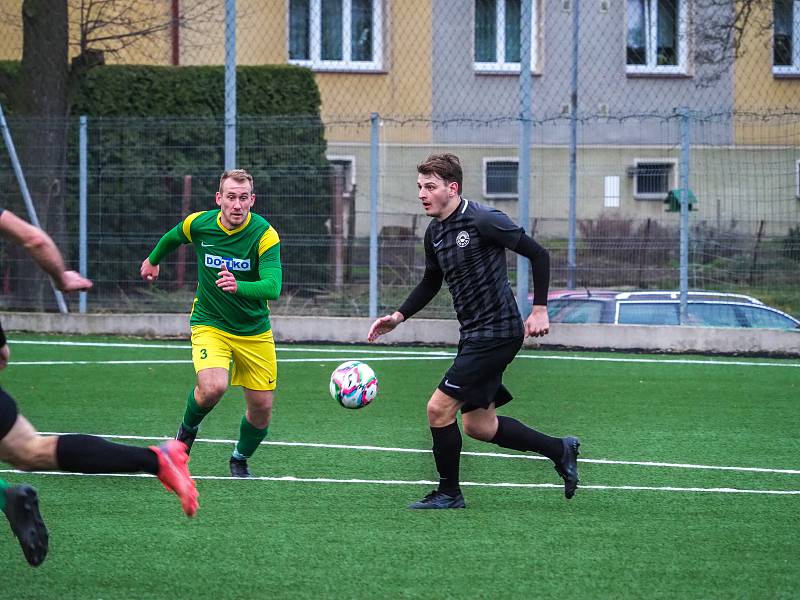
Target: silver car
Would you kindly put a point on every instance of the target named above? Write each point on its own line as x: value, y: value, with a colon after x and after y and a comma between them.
x: 709, y: 309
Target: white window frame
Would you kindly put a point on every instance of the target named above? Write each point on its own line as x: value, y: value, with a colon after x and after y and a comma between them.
x: 346, y: 64
x: 794, y: 68
x: 651, y: 42
x: 671, y: 185
x: 797, y: 180
x: 346, y: 158
x: 493, y: 159
x: 500, y: 65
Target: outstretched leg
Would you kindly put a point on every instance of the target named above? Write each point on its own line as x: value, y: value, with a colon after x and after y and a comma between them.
x: 484, y: 424
x: 78, y: 453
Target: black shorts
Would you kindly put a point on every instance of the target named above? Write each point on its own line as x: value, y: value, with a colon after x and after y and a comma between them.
x: 8, y: 413
x: 476, y: 376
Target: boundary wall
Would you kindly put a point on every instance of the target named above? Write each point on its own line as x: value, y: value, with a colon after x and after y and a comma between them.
x: 352, y: 330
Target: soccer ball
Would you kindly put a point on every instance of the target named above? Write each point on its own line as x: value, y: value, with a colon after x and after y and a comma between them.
x: 353, y: 384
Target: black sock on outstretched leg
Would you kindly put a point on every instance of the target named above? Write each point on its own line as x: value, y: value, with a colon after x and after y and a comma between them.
x: 518, y: 436
x: 78, y: 453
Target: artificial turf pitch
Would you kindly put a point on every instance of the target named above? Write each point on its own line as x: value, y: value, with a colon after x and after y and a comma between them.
x: 652, y: 519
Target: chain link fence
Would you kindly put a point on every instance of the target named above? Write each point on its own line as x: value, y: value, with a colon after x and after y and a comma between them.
x: 611, y: 82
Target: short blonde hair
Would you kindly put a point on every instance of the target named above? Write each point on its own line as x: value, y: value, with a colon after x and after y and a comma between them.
x: 239, y: 175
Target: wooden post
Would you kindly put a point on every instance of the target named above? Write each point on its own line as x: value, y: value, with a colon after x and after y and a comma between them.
x: 337, y: 228
x: 755, y: 251
x: 642, y: 253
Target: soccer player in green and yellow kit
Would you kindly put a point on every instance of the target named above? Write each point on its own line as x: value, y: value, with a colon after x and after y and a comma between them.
x: 239, y: 270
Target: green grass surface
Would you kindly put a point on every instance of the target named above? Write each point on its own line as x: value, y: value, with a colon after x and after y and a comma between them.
x: 123, y: 537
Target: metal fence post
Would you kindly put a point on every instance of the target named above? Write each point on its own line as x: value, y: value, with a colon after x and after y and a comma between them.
x: 83, y: 187
x: 524, y: 173
x: 374, y: 121
x: 230, y: 84
x: 684, y: 243
x: 26, y: 196
x: 573, y: 149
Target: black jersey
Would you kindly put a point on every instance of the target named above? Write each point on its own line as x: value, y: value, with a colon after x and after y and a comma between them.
x: 469, y: 249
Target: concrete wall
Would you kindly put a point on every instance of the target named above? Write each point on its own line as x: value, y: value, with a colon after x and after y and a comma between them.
x: 429, y: 331
x: 732, y: 185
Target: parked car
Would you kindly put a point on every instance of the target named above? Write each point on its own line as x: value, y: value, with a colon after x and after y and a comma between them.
x: 710, y: 309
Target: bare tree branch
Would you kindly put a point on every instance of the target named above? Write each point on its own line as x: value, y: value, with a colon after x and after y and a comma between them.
x: 718, y: 39
x: 113, y: 26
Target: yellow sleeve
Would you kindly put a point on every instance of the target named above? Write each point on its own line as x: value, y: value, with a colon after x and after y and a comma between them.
x: 187, y: 224
x: 268, y: 240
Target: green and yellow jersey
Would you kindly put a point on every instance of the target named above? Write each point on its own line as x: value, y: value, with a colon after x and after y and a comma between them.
x: 251, y: 252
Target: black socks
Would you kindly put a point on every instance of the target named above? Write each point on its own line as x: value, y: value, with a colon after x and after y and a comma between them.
x: 447, y: 454
x: 513, y: 434
x: 78, y: 453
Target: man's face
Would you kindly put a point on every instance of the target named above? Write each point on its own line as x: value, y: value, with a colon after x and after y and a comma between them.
x: 439, y: 199
x: 234, y: 202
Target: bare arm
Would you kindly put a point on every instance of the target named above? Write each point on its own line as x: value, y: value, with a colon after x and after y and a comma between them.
x: 384, y: 325
x: 43, y: 250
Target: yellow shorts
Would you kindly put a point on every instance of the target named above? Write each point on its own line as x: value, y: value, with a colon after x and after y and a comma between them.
x: 254, y: 363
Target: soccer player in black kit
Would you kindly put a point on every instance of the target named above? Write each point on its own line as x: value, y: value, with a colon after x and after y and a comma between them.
x: 465, y: 245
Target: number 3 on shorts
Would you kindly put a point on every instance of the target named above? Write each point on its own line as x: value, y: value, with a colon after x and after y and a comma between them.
x: 203, y: 353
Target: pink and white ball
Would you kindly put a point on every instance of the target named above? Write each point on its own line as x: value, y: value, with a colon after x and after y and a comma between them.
x: 353, y: 384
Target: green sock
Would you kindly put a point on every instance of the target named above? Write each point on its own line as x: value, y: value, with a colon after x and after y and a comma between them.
x: 249, y: 439
x: 3, y: 486
x: 194, y: 412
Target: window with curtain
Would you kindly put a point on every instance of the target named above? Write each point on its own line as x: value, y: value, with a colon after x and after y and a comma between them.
x: 657, y: 34
x: 336, y: 34
x: 786, y: 37
x: 498, y: 35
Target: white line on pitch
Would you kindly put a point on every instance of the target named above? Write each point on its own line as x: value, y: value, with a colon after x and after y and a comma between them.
x: 671, y: 361
x: 331, y: 359
x: 291, y: 478
x: 44, y: 363
x: 601, y: 461
x: 325, y: 359
x: 280, y: 348
x: 420, y: 354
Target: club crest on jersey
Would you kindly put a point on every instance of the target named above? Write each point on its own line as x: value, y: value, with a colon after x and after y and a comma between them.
x: 462, y: 239
x: 233, y: 264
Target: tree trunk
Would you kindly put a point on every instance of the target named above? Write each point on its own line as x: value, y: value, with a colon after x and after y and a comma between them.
x: 40, y: 134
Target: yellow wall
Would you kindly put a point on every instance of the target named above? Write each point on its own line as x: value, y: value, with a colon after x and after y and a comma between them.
x: 402, y: 90
x: 260, y: 35
x: 154, y: 50
x: 11, y: 30
x: 756, y: 89
x: 405, y: 88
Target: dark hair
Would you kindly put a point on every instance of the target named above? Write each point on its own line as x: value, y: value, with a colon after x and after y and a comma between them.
x: 447, y: 166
